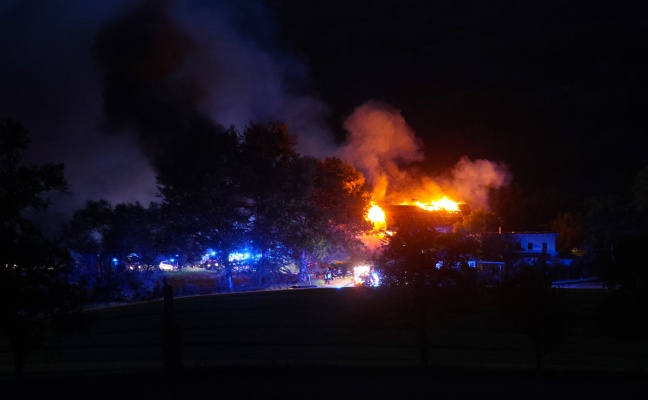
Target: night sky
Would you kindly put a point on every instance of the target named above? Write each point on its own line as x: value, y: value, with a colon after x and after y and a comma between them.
x: 552, y: 91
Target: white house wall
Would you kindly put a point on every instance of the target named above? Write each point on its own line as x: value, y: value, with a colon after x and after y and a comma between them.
x: 532, y: 242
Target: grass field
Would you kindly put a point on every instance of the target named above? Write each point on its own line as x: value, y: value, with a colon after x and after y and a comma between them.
x: 313, y: 343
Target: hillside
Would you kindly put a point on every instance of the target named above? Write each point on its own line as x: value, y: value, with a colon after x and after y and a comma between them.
x: 293, y: 339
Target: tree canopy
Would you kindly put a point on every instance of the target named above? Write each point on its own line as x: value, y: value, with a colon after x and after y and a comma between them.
x: 33, y: 269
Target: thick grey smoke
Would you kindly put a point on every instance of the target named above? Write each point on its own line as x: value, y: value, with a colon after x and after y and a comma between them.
x: 165, y: 70
x: 143, y: 54
x: 170, y: 72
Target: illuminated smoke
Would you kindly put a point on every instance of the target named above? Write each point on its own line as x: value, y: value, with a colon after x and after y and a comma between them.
x: 384, y: 148
x: 379, y: 142
x: 179, y: 74
x: 471, y: 181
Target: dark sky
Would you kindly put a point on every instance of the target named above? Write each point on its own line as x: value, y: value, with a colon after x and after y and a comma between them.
x: 89, y: 78
x: 552, y: 91
x: 555, y: 89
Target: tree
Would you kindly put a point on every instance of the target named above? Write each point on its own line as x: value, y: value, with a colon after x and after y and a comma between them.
x: 133, y: 235
x: 330, y: 219
x: 530, y: 306
x: 615, y: 232
x: 202, y: 203
x: 606, y: 221
x: 254, y: 190
x: 115, y: 250
x: 481, y: 221
x: 34, y: 287
x: 277, y: 183
x: 83, y: 235
x: 569, y: 226
x: 428, y: 274
x: 512, y: 203
x: 304, y: 209
x: 337, y: 216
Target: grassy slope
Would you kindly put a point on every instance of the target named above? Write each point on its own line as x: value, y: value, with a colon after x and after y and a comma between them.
x: 298, y: 337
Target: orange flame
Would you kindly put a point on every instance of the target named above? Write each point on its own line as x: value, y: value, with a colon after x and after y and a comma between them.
x: 443, y: 204
x: 376, y: 216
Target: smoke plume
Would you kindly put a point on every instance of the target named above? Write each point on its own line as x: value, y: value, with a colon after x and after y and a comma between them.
x: 379, y: 143
x: 386, y: 150
x: 177, y: 83
x: 152, y: 73
x: 473, y: 180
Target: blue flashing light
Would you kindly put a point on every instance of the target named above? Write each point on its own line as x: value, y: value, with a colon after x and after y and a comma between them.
x: 172, y: 260
x: 375, y: 279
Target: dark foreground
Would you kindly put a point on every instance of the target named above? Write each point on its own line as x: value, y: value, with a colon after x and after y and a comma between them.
x: 335, y: 383
x: 325, y: 344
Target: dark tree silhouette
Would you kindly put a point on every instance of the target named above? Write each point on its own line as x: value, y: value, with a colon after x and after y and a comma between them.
x: 569, y: 226
x: 613, y: 232
x: 34, y: 289
x: 481, y: 220
x: 425, y: 272
x: 304, y: 209
x: 529, y: 306
x: 115, y: 250
x: 83, y: 236
x: 276, y: 182
x: 331, y: 218
x: 255, y: 190
x: 202, y: 203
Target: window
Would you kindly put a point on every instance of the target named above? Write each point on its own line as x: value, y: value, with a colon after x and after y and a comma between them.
x: 530, y: 246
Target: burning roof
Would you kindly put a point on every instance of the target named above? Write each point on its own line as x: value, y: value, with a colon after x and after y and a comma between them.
x: 442, y: 214
x: 396, y: 214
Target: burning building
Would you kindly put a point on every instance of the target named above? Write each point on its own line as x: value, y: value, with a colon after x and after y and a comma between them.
x: 442, y: 214
x: 441, y: 219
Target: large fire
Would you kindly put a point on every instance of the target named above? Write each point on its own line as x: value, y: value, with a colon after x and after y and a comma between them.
x: 443, y: 204
x: 383, y: 147
x: 376, y: 215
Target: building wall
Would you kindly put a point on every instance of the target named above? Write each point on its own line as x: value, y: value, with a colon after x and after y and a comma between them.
x: 535, y: 242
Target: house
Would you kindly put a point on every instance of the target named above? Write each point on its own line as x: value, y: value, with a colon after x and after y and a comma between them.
x: 506, y: 252
x: 531, y: 245
x: 442, y: 220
